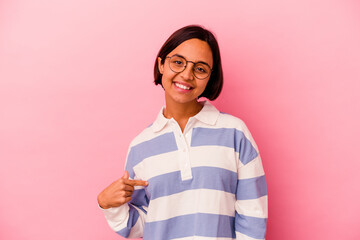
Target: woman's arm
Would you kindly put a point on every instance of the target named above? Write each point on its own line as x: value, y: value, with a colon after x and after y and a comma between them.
x: 251, y: 202
x: 121, y: 204
x: 251, y: 195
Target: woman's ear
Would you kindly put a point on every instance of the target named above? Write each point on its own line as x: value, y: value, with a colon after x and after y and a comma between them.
x: 160, y: 65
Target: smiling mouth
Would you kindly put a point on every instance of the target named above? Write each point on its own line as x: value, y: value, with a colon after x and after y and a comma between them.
x: 182, y: 86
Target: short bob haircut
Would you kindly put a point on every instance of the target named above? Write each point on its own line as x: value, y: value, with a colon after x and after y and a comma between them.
x: 215, y: 83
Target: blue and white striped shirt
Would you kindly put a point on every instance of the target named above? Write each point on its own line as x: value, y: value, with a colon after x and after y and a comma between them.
x: 204, y: 183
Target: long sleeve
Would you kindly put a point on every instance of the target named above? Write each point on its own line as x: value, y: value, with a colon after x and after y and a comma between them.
x: 251, y: 194
x: 128, y: 220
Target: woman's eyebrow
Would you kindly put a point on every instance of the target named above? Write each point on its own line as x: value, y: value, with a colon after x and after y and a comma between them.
x: 179, y: 55
x: 176, y: 54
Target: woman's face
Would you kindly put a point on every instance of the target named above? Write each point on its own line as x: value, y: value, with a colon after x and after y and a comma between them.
x: 184, y: 87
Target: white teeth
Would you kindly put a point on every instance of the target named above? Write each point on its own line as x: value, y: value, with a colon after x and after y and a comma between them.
x: 182, y: 86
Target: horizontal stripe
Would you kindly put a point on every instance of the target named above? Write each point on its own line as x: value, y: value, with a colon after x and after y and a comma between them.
x: 200, y: 224
x: 133, y: 217
x: 251, y: 188
x: 211, y: 156
x: 244, y: 237
x: 214, y: 156
x: 251, y: 226
x: 165, y: 163
x: 190, y: 202
x: 203, y: 177
x: 252, y: 169
x: 253, y: 207
x: 227, y: 137
x: 158, y: 145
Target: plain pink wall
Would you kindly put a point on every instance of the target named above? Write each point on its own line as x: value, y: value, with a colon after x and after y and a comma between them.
x: 76, y: 87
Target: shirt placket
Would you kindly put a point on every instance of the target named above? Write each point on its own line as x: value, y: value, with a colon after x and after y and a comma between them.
x: 183, y: 152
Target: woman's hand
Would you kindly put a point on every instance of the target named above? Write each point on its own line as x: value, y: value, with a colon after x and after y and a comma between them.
x: 119, y: 192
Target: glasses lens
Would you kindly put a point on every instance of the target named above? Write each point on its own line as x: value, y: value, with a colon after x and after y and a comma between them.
x: 201, y: 70
x: 177, y: 64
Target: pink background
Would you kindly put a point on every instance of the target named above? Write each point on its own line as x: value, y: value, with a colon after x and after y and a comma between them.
x: 76, y: 87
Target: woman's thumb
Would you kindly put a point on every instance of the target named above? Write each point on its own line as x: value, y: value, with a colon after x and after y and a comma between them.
x: 126, y: 175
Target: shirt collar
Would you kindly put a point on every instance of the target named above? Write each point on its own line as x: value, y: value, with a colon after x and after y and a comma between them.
x: 208, y: 115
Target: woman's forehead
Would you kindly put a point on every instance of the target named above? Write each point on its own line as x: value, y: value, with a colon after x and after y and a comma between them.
x: 194, y: 50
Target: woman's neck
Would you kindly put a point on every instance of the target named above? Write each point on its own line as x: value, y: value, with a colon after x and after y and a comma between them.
x: 181, y: 112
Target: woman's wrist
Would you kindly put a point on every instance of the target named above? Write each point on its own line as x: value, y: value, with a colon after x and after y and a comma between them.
x: 101, y: 203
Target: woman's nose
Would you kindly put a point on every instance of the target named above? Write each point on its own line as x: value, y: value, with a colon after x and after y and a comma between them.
x: 188, y: 74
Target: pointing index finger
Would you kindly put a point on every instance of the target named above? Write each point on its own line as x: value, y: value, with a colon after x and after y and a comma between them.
x: 137, y: 182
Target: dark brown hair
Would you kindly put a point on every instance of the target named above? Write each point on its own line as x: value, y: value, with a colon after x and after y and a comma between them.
x: 214, y: 86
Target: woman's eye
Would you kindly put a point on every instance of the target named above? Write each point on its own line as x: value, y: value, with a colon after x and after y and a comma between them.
x: 199, y: 69
x: 177, y: 62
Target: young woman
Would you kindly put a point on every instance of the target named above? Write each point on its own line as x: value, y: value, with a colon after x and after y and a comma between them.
x: 195, y: 173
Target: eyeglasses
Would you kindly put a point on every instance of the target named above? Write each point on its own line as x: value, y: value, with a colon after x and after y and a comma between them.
x: 200, y: 70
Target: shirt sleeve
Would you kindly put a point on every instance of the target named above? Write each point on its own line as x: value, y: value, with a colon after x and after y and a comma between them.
x: 128, y: 220
x: 251, y: 194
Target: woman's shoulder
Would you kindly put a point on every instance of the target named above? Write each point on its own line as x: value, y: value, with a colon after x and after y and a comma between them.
x: 222, y: 119
x: 227, y: 120
x: 143, y: 136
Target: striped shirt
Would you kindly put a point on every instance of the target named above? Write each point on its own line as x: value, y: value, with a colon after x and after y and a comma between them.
x: 206, y: 182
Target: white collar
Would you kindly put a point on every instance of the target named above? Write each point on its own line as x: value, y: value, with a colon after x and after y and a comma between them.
x: 208, y: 115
